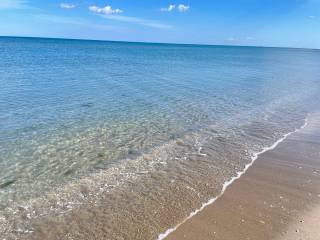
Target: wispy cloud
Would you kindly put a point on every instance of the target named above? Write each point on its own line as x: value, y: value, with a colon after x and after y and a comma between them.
x: 240, y: 40
x: 73, y: 21
x: 59, y: 19
x: 232, y: 39
x: 13, y: 4
x: 183, y: 8
x: 170, y: 8
x: 136, y: 20
x: 67, y: 5
x: 115, y: 14
x: 311, y: 16
x: 107, y: 10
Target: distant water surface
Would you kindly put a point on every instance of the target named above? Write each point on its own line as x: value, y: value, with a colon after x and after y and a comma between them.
x: 113, y: 125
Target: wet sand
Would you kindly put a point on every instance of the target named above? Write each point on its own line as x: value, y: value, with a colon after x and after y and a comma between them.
x: 277, y: 198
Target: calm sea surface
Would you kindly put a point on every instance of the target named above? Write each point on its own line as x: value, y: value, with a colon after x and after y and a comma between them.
x: 135, y: 135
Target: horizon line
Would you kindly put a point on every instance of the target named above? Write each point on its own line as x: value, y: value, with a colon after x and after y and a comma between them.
x: 159, y: 43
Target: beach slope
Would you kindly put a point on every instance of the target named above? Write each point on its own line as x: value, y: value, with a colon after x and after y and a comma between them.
x: 277, y: 198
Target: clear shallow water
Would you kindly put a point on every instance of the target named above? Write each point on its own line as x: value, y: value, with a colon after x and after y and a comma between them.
x: 136, y: 129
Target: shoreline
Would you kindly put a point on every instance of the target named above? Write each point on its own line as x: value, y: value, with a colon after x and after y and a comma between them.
x: 38, y: 228
x: 189, y: 226
x: 254, y: 157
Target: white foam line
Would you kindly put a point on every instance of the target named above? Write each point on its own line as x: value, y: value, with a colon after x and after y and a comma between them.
x: 228, y: 183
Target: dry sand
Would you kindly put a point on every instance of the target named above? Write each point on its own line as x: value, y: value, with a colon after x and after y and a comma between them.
x: 277, y: 198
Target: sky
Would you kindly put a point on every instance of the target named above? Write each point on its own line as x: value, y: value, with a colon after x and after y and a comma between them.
x: 282, y: 23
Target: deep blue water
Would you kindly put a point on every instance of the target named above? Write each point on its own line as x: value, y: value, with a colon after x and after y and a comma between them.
x: 71, y: 108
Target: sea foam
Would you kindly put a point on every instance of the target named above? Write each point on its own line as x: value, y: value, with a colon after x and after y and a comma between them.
x: 229, y: 182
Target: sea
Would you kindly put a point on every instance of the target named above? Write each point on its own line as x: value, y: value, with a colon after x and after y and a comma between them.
x: 123, y: 140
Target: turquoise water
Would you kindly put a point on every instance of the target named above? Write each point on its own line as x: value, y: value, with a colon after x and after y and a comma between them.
x: 101, y: 114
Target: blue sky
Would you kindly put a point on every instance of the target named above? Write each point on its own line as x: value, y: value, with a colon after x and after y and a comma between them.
x: 292, y: 23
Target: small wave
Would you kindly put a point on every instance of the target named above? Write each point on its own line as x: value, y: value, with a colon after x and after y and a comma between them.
x: 229, y: 182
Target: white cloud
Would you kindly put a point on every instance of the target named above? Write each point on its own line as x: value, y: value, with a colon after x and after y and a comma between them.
x: 114, y: 14
x: 107, y: 10
x: 12, y: 4
x: 183, y: 8
x: 67, y: 5
x: 311, y: 16
x: 170, y: 8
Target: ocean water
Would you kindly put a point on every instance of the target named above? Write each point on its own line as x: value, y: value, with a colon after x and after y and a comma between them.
x: 126, y: 139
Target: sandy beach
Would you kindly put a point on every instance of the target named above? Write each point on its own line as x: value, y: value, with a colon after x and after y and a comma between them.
x: 277, y: 198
